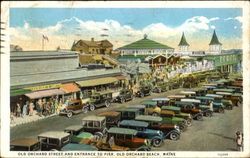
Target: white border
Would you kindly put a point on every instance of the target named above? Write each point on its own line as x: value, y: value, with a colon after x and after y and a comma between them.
x: 5, y: 84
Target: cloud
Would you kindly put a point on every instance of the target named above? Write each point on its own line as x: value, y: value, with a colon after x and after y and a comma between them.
x: 238, y: 18
x: 235, y: 27
x: 212, y: 27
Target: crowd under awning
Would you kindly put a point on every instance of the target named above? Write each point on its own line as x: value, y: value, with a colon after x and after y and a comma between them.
x: 70, y: 88
x: 44, y: 93
x: 96, y: 82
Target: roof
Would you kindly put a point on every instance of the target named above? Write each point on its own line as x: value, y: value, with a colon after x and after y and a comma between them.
x: 121, y: 77
x: 183, y: 103
x: 171, y: 108
x: 98, y: 81
x: 54, y: 134
x: 191, y: 100
x: 183, y: 41
x: 117, y: 130
x: 24, y: 142
x: 136, y: 106
x: 145, y: 44
x: 176, y: 96
x: 44, y: 93
x: 207, y: 87
x: 160, y: 99
x: 223, y: 90
x: 148, y: 118
x: 210, y: 84
x: 214, y: 40
x: 16, y: 92
x: 93, y: 118
x: 74, y: 128
x: 78, y: 147
x: 223, y: 93
x: 109, y: 113
x: 187, y: 92
x: 214, y: 95
x: 133, y: 123
x: 204, y: 98
x: 148, y: 102
x: 69, y: 87
x: 127, y: 110
x: 83, y: 135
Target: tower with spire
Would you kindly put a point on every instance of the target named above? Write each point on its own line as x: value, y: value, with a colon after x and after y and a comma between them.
x: 183, y: 45
x: 215, y: 45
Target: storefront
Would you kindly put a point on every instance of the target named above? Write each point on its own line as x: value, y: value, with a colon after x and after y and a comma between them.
x: 71, y: 90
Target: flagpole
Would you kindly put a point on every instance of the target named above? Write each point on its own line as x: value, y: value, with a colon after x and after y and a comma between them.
x: 42, y: 43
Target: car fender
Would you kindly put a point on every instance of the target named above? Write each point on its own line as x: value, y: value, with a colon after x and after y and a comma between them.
x: 157, y: 137
x: 172, y: 131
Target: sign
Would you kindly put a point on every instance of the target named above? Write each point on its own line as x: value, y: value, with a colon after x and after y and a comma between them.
x: 49, y: 86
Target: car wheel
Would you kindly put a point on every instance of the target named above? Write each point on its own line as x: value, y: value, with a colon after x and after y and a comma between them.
x: 189, y: 122
x: 92, y: 107
x: 174, y: 136
x: 122, y: 100
x: 208, y: 114
x: 199, y: 117
x: 69, y: 114
x: 182, y: 127
x: 155, y: 114
x: 142, y: 95
x: 107, y: 103
x: 221, y: 110
x: 85, y: 109
x: 230, y: 107
x: 157, y: 142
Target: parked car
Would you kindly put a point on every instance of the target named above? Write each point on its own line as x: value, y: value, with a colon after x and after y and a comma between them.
x: 151, y: 108
x: 219, y: 98
x: 160, y: 87
x: 128, y: 113
x: 170, y: 131
x: 124, y: 96
x: 78, y: 147
x: 199, y: 91
x: 237, y: 89
x: 112, y: 118
x: 156, y: 137
x: 95, y: 125
x: 217, y: 106
x: 143, y: 91
x: 209, y: 89
x: 174, y: 98
x: 53, y: 140
x: 177, y: 112
x: 77, y: 134
x: 161, y: 101
x: 237, y: 83
x: 188, y: 107
x: 73, y: 107
x: 188, y: 93
x: 140, y: 107
x: 235, y: 98
x: 223, y: 90
x: 25, y: 144
x: 127, y: 138
x: 100, y: 99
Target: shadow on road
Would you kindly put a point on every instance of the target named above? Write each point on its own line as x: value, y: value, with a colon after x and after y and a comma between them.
x: 220, y: 135
x: 232, y: 149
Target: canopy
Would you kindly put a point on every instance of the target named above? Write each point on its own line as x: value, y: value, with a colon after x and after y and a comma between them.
x: 78, y: 147
x: 44, y: 93
x: 148, y: 118
x: 133, y: 123
x: 98, y: 81
x: 24, y: 142
x: 148, y: 102
x: 69, y: 88
x: 160, y: 99
x: 171, y: 108
x: 117, y: 130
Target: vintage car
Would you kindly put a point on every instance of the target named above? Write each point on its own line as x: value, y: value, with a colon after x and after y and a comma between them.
x: 219, y: 98
x: 199, y: 91
x: 156, y: 137
x: 127, y: 138
x: 95, y: 125
x: 112, y: 118
x: 177, y: 112
x: 236, y: 88
x: 160, y: 87
x: 188, y: 93
x: 188, y: 107
x: 236, y: 98
x: 144, y: 90
x: 197, y: 103
x: 53, y: 140
x: 217, y: 106
x: 78, y: 147
x: 151, y: 108
x: 100, y: 99
x: 128, y: 113
x: 223, y: 90
x: 161, y: 101
x: 176, y: 97
x: 170, y: 131
x: 124, y: 96
x: 236, y: 83
x: 138, y: 106
x: 25, y: 144
x: 74, y: 107
x: 209, y: 89
x: 77, y: 134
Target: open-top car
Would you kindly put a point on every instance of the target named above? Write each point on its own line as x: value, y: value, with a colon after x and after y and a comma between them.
x: 100, y: 99
x: 156, y: 137
x: 151, y: 108
x: 188, y: 107
x: 160, y: 87
x: 219, y: 98
x: 143, y: 91
x: 74, y: 107
x: 170, y: 131
x: 217, y: 106
x: 77, y: 134
x: 112, y: 118
x: 25, y: 144
x: 177, y: 112
x: 95, y: 125
x: 127, y: 138
x: 124, y: 96
x: 78, y: 147
x: 53, y: 140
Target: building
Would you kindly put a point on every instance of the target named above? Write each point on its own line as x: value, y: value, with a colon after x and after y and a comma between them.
x: 93, y: 47
x: 146, y: 47
x: 215, y: 45
x: 183, y: 45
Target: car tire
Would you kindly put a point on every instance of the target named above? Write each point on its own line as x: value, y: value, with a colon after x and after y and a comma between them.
x: 221, y: 110
x: 122, y: 100
x: 182, y: 127
x: 92, y: 107
x: 69, y: 114
x: 208, y: 114
x: 230, y: 107
x: 157, y: 142
x: 85, y: 110
x: 199, y: 117
x: 142, y: 95
x: 107, y: 103
x: 174, y: 136
x: 189, y: 122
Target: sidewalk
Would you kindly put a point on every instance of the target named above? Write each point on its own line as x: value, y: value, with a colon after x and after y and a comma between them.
x: 27, y: 119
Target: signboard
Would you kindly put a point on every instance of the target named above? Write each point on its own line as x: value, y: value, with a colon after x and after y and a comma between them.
x: 49, y: 86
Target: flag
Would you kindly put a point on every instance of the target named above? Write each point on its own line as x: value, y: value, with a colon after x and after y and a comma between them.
x: 46, y: 38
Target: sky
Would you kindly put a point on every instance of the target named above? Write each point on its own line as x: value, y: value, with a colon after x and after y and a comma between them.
x: 125, y: 25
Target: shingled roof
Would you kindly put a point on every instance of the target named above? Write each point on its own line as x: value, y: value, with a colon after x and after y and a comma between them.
x: 214, y: 40
x: 183, y: 41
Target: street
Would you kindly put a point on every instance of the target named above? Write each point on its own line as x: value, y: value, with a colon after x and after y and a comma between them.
x: 212, y: 134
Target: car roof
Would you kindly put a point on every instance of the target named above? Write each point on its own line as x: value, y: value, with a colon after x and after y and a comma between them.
x: 214, y: 95
x: 148, y: 102
x: 223, y: 90
x: 54, y: 134
x: 118, y: 130
x: 204, y: 98
x: 188, y: 92
x: 209, y: 87
x: 133, y: 123
x: 237, y: 94
x: 24, y: 142
x: 160, y: 99
x: 210, y: 84
x: 176, y: 96
x: 234, y: 87
x: 78, y: 147
x: 74, y: 128
x: 170, y: 108
x: 191, y: 100
x: 128, y: 110
x: 139, y: 106
x: 183, y: 103
x: 223, y: 93
x: 148, y: 118
x: 109, y: 113
x: 93, y: 118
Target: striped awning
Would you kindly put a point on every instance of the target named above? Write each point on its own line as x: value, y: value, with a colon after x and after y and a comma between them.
x: 96, y: 82
x: 70, y: 88
x: 45, y: 93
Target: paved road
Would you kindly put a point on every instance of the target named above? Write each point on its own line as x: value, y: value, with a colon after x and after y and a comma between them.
x: 211, y: 134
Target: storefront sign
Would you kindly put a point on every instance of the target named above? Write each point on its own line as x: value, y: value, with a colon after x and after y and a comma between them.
x: 50, y: 86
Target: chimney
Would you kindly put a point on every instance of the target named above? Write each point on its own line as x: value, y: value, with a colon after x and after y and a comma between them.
x: 92, y: 39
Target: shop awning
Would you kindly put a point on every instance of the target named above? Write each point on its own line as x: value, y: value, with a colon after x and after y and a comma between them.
x: 16, y: 92
x: 70, y: 88
x: 120, y: 77
x: 45, y: 93
x: 96, y: 82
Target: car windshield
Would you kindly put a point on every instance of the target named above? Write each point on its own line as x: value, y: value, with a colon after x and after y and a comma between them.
x: 53, y: 141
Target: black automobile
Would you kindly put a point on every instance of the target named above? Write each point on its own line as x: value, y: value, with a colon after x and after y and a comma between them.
x: 144, y: 91
x: 124, y: 96
x: 100, y: 99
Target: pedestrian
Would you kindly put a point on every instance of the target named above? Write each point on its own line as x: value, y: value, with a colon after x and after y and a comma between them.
x: 211, y: 105
x: 25, y: 108
x: 44, y: 106
x: 31, y: 108
x: 18, y: 110
x: 40, y: 107
x: 239, y: 141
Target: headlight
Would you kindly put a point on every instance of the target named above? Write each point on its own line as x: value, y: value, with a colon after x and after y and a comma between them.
x: 176, y: 127
x: 147, y: 142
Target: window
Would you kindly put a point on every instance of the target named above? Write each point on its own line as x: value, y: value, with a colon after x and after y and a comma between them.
x: 96, y: 124
x: 53, y: 141
x: 84, y: 123
x: 128, y: 136
x: 120, y: 136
